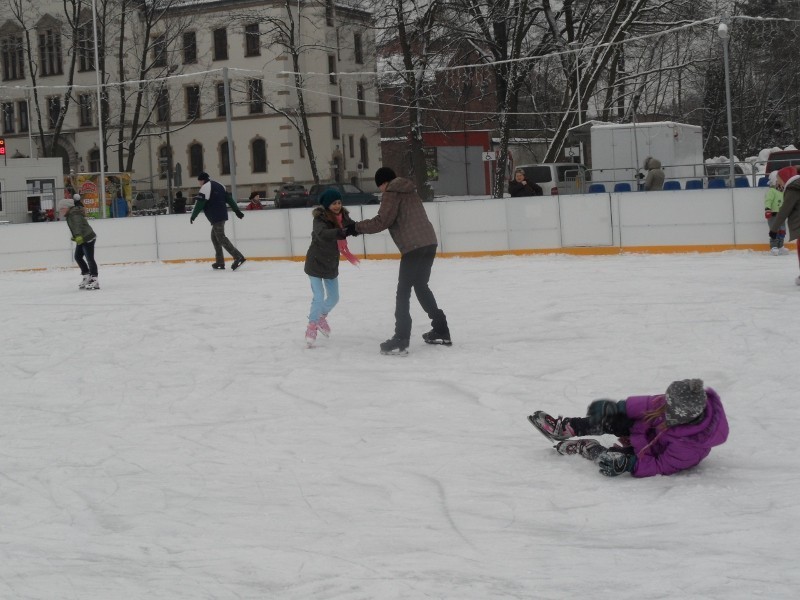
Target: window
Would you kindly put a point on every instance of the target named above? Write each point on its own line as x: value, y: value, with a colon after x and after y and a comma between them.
x: 8, y: 117
x: 364, y: 158
x: 259, y: 151
x: 358, y: 50
x: 85, y: 110
x: 163, y: 162
x: 50, y: 53
x: 22, y: 108
x: 352, y: 143
x: 224, y: 159
x: 162, y: 106
x: 255, y: 96
x: 329, y: 12
x: 332, y: 68
x: 53, y: 110
x: 85, y: 47
x: 94, y: 160
x: 189, y: 48
x: 335, y: 119
x: 252, y: 40
x: 362, y: 105
x: 193, y: 102
x: 13, y: 59
x: 195, y: 160
x: 160, y: 51
x: 221, y: 106
x: 221, y: 44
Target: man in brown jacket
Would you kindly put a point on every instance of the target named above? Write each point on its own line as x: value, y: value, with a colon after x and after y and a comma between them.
x: 402, y: 213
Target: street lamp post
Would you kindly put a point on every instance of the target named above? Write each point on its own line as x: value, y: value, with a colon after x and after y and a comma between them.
x: 724, y: 35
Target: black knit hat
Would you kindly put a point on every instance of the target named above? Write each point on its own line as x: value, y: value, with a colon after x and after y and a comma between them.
x: 203, y: 177
x: 384, y: 175
x: 686, y: 400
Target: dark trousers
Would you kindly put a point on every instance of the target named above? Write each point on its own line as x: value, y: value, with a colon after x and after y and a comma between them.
x: 619, y: 425
x: 220, y: 241
x: 86, y: 250
x: 415, y: 272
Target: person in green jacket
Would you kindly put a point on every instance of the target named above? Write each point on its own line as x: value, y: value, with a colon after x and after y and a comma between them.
x: 84, y: 237
x: 772, y: 204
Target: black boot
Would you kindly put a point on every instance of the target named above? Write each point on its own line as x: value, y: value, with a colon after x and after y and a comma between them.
x: 395, y: 346
x: 435, y: 337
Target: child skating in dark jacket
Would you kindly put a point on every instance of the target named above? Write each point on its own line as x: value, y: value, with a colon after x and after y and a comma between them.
x: 658, y: 435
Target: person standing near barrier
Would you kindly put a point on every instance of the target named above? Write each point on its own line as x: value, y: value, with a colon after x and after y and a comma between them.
x: 654, y: 180
x: 84, y: 237
x: 213, y: 200
x: 788, y: 181
x: 179, y: 204
x: 521, y: 187
x: 772, y: 204
x: 402, y: 213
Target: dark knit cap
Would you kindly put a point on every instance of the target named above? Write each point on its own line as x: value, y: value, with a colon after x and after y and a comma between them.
x: 203, y: 177
x: 384, y: 175
x: 329, y: 196
x: 686, y: 400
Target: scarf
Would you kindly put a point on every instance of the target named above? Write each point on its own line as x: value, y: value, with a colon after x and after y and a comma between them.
x: 342, y: 244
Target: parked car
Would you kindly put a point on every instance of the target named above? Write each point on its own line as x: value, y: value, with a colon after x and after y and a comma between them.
x: 782, y: 158
x: 148, y: 203
x: 720, y: 171
x: 351, y: 195
x: 291, y: 195
x: 557, y: 178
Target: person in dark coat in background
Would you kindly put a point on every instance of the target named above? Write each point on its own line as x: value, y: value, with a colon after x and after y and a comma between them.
x: 788, y: 181
x: 403, y: 214
x: 213, y: 200
x: 521, y: 187
x: 328, y: 241
x: 179, y: 204
x: 654, y: 180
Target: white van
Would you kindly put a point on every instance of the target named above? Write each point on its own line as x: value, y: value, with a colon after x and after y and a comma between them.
x: 557, y: 178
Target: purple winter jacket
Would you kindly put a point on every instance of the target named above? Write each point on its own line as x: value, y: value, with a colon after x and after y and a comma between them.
x: 678, y: 447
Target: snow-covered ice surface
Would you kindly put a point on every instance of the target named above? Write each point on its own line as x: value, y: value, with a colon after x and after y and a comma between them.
x: 170, y: 437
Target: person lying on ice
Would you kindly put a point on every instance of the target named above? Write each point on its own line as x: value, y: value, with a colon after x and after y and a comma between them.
x: 658, y: 435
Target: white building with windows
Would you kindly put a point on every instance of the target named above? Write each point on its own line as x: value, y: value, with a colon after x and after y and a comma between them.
x: 164, y: 66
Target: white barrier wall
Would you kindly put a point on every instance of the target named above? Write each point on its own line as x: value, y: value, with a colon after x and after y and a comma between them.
x: 637, y: 220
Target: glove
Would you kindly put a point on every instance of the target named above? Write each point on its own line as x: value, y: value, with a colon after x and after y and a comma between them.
x: 341, y: 234
x: 616, y: 463
x: 191, y: 220
x: 602, y: 411
x: 78, y: 239
x: 768, y: 214
x: 772, y: 234
x: 351, y: 230
x: 240, y: 214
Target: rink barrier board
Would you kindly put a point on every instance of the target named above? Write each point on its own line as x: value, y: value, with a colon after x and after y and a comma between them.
x: 589, y: 224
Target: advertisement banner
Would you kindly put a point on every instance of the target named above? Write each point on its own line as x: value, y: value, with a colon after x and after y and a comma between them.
x: 118, y: 193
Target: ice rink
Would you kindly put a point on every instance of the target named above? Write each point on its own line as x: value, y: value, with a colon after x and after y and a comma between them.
x: 171, y: 437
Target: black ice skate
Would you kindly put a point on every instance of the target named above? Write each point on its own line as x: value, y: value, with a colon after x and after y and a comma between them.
x: 434, y: 337
x: 395, y: 347
x: 590, y: 449
x: 554, y: 429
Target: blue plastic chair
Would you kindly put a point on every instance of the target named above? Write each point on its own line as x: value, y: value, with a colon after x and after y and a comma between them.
x: 694, y: 184
x: 622, y: 186
x: 672, y: 185
x: 716, y: 184
x: 763, y: 182
x: 597, y: 188
x: 741, y: 182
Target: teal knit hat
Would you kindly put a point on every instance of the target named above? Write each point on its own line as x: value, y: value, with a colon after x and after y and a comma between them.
x: 328, y: 197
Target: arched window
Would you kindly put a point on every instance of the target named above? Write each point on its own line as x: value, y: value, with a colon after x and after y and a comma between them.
x: 195, y: 159
x: 259, y: 158
x: 224, y: 159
